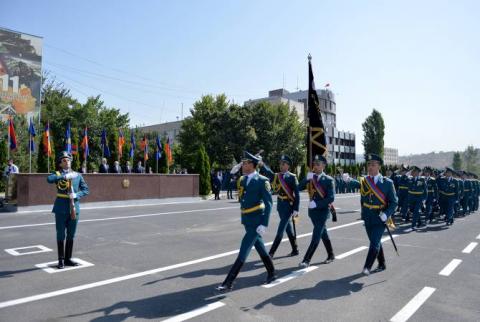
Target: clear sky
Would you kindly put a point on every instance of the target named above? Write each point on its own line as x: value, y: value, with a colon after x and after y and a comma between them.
x: 417, y: 62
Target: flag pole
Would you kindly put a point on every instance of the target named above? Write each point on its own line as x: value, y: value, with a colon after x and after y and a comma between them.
x: 30, y: 152
x: 8, y: 140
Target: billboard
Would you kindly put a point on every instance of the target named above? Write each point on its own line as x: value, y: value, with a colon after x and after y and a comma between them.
x: 20, y: 73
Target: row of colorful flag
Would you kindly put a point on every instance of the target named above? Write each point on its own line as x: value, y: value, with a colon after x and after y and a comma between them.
x: 85, y: 145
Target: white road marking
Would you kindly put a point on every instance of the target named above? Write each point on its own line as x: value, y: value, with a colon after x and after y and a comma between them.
x: 351, y: 252
x: 447, y: 270
x: 14, y: 251
x: 51, y: 268
x: 194, y: 313
x: 290, y: 276
x: 469, y: 248
x: 132, y: 276
x: 122, y: 217
x: 408, y: 310
x: 478, y: 237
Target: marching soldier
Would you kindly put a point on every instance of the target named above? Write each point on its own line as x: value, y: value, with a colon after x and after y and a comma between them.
x: 256, y: 205
x: 458, y: 202
x: 467, y: 193
x: 432, y: 193
x: 417, y: 193
x: 70, y: 189
x: 322, y: 194
x: 448, y: 194
x: 285, y: 184
x: 378, y: 200
x: 476, y: 184
x: 402, y: 181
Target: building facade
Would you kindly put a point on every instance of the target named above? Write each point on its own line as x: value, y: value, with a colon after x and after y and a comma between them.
x: 390, y: 156
x: 341, y: 144
x: 168, y: 129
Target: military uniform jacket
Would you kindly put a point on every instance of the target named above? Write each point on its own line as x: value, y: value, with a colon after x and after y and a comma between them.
x: 403, y: 183
x: 327, y: 185
x: 255, y: 200
x: 62, y: 202
x: 417, y: 188
x: 432, y: 188
x: 372, y: 205
x: 291, y: 182
x: 448, y: 188
x: 467, y: 187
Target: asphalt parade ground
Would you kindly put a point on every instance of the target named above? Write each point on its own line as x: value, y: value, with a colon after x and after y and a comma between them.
x: 162, y: 261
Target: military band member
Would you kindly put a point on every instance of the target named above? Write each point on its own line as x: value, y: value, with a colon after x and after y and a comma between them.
x: 432, y: 193
x: 448, y: 194
x: 256, y: 205
x: 285, y: 184
x: 417, y: 193
x: 70, y: 189
x: 321, y: 191
x: 378, y: 200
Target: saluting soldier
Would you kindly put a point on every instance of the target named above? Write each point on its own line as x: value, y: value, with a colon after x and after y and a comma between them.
x: 448, y: 194
x: 379, y: 200
x: 256, y: 205
x: 417, y: 193
x: 432, y: 193
x: 285, y: 184
x: 71, y: 187
x: 322, y: 194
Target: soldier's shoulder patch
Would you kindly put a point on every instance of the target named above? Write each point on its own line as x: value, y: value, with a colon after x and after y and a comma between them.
x: 268, y: 187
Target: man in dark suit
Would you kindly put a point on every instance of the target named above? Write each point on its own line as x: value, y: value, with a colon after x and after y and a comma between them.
x: 104, y: 168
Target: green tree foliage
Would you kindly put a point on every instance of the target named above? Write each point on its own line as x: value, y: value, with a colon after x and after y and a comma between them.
x: 202, y: 167
x: 457, y: 161
x: 471, y: 159
x: 3, y: 161
x: 373, y: 134
x: 228, y: 129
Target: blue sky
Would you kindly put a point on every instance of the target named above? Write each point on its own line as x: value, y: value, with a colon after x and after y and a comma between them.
x: 417, y: 62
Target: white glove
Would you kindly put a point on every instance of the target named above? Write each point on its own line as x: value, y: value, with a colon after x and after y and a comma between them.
x: 260, y: 163
x: 261, y: 229
x: 71, y: 175
x: 383, y: 217
x: 312, y: 205
x: 310, y: 176
x: 295, y: 213
x: 72, y: 195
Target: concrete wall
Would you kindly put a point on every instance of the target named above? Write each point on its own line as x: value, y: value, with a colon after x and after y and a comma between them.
x: 33, y: 189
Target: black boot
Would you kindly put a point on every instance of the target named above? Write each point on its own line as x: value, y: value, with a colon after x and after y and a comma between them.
x: 293, y: 243
x: 275, y: 245
x: 68, y: 254
x: 308, y: 255
x: 381, y: 260
x: 228, y: 283
x: 267, y: 261
x: 372, y: 254
x: 61, y: 254
x: 328, y: 247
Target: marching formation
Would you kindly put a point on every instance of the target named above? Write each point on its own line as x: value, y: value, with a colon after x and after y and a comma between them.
x: 426, y: 193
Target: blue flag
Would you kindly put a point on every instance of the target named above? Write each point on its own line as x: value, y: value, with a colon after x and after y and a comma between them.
x: 132, y: 145
x: 31, y: 131
x: 104, y: 144
x: 158, y: 154
x: 68, y: 139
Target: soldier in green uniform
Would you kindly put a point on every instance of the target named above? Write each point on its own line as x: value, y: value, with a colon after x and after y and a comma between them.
x: 379, y: 200
x: 285, y: 184
x: 322, y: 193
x: 417, y: 193
x: 255, y: 205
x: 432, y: 193
x: 476, y: 184
x: 448, y: 194
x: 70, y: 189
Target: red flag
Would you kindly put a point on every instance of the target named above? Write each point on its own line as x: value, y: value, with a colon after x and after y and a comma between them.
x: 121, y: 143
x: 12, y: 135
x: 168, y: 152
x: 144, y: 146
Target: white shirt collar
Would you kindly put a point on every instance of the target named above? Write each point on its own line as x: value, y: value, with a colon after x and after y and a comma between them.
x: 377, y: 178
x: 250, y: 176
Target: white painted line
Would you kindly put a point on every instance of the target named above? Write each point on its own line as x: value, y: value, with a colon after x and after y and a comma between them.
x: 469, y: 248
x: 478, y: 237
x: 123, y: 217
x: 194, y: 313
x: 290, y: 276
x: 51, y: 267
x: 408, y: 310
x: 384, y: 239
x: 14, y: 251
x: 132, y: 276
x: 351, y: 252
x: 447, y: 270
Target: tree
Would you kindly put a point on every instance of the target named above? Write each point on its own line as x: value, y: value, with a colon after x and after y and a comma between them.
x: 3, y: 160
x: 373, y: 134
x: 457, y: 161
x: 202, y: 167
x: 471, y: 159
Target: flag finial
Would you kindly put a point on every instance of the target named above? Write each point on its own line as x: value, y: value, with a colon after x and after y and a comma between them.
x: 309, y: 57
